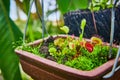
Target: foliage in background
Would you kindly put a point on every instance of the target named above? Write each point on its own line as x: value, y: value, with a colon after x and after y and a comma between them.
x: 68, y: 5
x: 33, y: 31
x: 24, y: 6
x: 100, y: 4
x: 9, y: 62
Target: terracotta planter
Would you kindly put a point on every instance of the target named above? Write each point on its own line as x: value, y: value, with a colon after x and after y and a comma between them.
x: 43, y: 69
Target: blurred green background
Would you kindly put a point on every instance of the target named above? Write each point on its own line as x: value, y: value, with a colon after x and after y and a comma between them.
x: 13, y: 16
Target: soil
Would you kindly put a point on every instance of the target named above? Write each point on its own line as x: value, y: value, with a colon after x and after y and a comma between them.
x: 44, y: 48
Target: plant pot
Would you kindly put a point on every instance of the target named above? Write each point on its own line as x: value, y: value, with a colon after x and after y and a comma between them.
x: 43, y: 69
x: 102, y: 19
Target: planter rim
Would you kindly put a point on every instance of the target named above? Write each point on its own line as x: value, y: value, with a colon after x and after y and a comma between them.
x: 99, y: 71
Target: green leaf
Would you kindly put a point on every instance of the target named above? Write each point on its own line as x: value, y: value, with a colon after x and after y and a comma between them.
x: 9, y: 62
x: 63, y: 5
x: 24, y: 5
x: 80, y: 4
x: 68, y: 5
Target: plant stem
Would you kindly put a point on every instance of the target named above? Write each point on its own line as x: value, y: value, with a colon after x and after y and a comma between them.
x: 93, y: 17
x: 26, y: 26
x: 112, y: 28
x: 81, y: 36
x: 38, y: 9
x: 43, y: 23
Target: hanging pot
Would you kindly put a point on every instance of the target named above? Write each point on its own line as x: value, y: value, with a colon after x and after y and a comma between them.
x: 44, y: 69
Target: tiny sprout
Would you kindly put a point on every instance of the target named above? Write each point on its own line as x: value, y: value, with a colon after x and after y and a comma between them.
x: 65, y: 29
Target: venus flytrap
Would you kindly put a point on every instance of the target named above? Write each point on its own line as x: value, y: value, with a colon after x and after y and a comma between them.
x: 52, y: 51
x: 82, y: 26
x: 68, y: 41
x: 65, y: 29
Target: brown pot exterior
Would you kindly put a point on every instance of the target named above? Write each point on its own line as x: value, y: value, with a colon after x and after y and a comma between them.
x: 43, y: 69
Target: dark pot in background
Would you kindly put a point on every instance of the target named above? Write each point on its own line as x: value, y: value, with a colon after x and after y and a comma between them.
x: 103, y: 23
x: 43, y: 69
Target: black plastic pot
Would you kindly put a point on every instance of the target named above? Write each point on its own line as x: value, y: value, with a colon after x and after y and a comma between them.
x: 103, y: 23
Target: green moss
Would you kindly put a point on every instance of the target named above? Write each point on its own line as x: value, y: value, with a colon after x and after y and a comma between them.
x: 81, y: 62
x: 89, y: 61
x: 32, y: 49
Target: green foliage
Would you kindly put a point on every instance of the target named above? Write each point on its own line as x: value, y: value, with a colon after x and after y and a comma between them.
x: 82, y: 63
x: 26, y: 6
x: 100, y: 4
x: 9, y: 62
x: 89, y: 61
x: 68, y: 5
x: 23, y: 5
x: 32, y: 49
